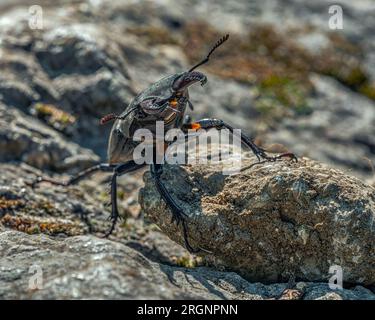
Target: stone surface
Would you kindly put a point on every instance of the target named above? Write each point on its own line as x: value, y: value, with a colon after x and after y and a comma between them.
x: 274, y: 220
x: 25, y: 139
x: 92, y: 268
x: 58, y: 231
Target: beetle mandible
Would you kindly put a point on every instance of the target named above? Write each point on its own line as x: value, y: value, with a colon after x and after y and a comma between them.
x: 164, y: 100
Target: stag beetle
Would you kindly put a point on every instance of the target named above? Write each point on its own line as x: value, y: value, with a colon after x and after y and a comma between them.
x: 165, y: 100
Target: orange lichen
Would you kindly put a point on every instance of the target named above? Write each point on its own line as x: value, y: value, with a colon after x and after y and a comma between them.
x: 10, y: 204
x: 43, y: 205
x: 32, y: 225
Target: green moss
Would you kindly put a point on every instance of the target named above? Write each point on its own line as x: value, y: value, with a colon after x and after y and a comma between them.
x: 127, y: 226
x: 267, y: 58
x: 121, y: 194
x: 42, y: 205
x: 351, y: 76
x: 279, y: 97
x: 153, y: 35
x: 34, y: 230
x: 355, y: 77
x: 103, y: 196
x: 10, y: 204
x: 188, y: 261
x: 368, y: 90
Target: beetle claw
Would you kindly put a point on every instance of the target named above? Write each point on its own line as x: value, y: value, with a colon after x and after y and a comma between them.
x: 203, y: 81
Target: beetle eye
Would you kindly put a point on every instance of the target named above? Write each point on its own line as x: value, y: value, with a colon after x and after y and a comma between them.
x: 147, y: 103
x: 153, y: 105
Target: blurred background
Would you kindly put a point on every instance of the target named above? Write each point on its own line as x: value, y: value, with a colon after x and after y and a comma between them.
x: 285, y: 76
x: 296, y: 75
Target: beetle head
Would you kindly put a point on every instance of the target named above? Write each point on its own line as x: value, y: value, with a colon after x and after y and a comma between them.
x: 169, y: 95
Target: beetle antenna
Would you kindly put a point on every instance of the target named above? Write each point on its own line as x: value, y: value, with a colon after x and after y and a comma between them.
x: 205, y: 60
x: 112, y: 116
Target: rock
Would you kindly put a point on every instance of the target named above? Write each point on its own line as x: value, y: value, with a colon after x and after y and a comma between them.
x: 93, y: 268
x: 61, y: 237
x: 274, y: 220
x: 78, y: 48
x: 47, y: 209
x: 316, y: 136
x: 24, y: 138
x: 319, y: 292
x: 79, y: 68
x: 87, y: 267
x: 23, y: 80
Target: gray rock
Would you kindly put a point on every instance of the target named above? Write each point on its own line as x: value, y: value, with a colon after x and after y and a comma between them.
x: 78, y: 48
x: 92, y: 268
x: 78, y: 68
x: 342, y: 119
x: 274, y: 220
x: 23, y: 81
x: 24, y: 138
x: 82, y: 267
x: 319, y: 292
x: 137, y: 263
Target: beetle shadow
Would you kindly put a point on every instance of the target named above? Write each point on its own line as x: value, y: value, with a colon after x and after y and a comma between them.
x: 208, y: 277
x: 172, y: 271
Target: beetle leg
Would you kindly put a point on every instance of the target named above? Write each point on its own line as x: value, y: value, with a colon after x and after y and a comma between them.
x: 190, y: 105
x: 118, y: 171
x: 220, y: 124
x: 183, y: 100
x: 105, y: 167
x: 178, y: 215
x: 187, y: 120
